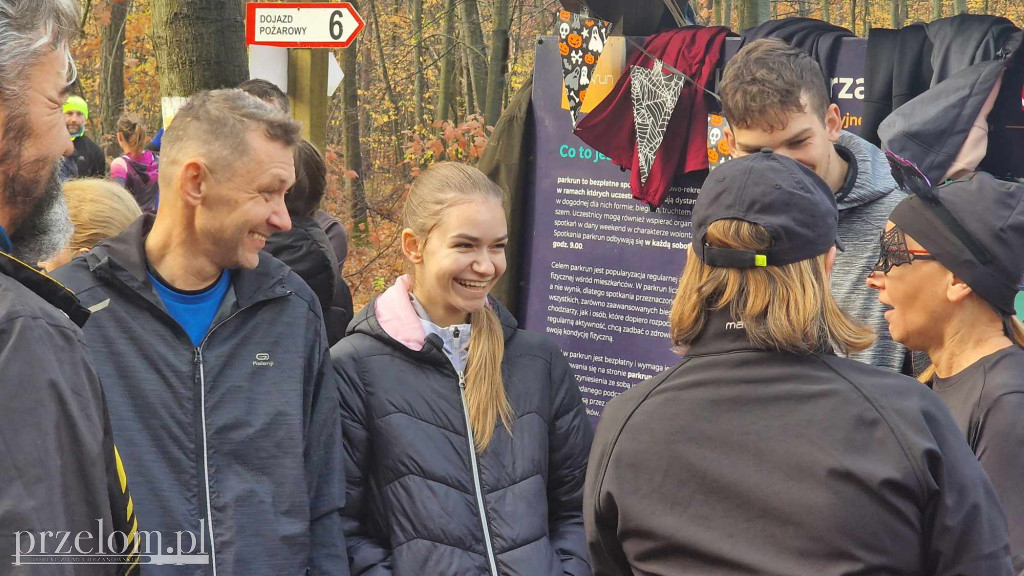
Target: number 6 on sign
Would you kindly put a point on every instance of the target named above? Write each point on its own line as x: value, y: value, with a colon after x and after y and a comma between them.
x: 333, y: 25
x: 337, y: 29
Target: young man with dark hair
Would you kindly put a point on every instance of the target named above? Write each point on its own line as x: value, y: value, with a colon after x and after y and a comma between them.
x: 773, y: 96
x: 268, y: 92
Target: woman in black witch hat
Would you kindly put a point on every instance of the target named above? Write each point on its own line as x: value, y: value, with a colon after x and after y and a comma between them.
x: 949, y: 268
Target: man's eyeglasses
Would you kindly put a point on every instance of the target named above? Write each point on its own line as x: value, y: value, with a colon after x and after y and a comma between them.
x: 910, y: 179
x: 894, y: 251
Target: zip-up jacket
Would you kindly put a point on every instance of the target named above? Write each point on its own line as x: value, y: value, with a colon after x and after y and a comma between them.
x: 865, y: 201
x: 748, y: 462
x: 242, y: 432
x: 420, y: 500
x: 59, y: 470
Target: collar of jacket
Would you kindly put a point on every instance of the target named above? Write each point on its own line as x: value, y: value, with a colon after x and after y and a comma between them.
x: 391, y: 318
x: 124, y: 257
x: 722, y: 334
x: 45, y: 287
x: 869, y: 177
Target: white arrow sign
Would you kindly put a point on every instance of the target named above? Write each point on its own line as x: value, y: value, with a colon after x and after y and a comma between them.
x: 333, y: 25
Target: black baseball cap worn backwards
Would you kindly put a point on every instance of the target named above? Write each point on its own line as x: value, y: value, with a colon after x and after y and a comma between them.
x: 795, y: 206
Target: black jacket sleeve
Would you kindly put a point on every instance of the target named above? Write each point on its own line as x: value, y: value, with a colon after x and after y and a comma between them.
x: 325, y: 471
x: 1001, y: 452
x: 600, y: 513
x: 368, y: 554
x: 59, y: 471
x: 569, y: 445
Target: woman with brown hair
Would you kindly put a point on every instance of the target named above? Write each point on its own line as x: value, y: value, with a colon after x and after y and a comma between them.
x: 137, y: 170
x: 763, y: 452
x: 466, y: 438
x: 99, y: 210
x: 948, y: 272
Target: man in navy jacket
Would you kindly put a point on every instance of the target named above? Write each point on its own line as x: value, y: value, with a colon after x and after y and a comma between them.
x: 213, y: 354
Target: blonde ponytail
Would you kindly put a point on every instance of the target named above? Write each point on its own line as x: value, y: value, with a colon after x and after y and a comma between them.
x: 485, y: 387
x: 432, y: 194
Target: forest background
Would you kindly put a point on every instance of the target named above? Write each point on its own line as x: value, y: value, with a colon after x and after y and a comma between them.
x: 425, y: 81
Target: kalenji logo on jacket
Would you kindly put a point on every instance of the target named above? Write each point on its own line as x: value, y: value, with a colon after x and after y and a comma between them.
x: 263, y: 359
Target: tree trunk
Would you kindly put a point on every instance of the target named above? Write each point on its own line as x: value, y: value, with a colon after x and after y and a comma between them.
x: 388, y: 89
x: 497, y: 61
x: 936, y: 9
x: 199, y: 45
x: 473, y: 47
x: 112, y: 78
x: 826, y: 10
x: 350, y: 132
x: 903, y: 13
x: 867, y: 17
x: 894, y: 14
x: 444, y: 92
x: 853, y: 16
x: 717, y: 12
x: 418, y: 86
x: 727, y: 14
x: 754, y: 12
x: 959, y: 6
x: 467, y: 85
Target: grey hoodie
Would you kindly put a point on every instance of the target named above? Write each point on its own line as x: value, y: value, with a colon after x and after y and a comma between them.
x: 865, y: 201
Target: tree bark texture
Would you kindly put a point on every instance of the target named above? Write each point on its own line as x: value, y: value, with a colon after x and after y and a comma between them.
x: 475, y: 51
x: 497, y: 61
x: 444, y: 92
x: 417, y: 38
x: 350, y: 130
x: 383, y: 64
x: 112, y: 64
x: 199, y: 45
x: 754, y: 12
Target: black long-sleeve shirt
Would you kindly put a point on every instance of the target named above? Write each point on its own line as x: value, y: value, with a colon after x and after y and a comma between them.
x: 987, y: 402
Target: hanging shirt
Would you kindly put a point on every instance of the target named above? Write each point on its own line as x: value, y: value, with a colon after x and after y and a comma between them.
x: 194, y: 310
x: 611, y: 127
x: 987, y: 402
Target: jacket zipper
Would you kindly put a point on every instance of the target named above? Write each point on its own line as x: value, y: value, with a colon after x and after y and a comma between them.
x: 206, y: 463
x: 202, y: 404
x: 472, y: 460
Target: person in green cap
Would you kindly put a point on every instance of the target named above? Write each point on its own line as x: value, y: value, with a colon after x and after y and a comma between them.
x: 88, y: 155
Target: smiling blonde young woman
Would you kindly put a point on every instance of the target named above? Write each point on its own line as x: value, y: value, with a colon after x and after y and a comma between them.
x: 466, y: 439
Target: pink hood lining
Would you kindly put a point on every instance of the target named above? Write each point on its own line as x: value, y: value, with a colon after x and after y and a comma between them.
x: 398, y: 318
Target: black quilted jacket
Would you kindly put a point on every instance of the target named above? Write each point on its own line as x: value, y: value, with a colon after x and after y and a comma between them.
x: 413, y: 498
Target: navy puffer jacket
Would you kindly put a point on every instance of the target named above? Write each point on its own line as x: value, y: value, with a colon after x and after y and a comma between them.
x: 413, y: 498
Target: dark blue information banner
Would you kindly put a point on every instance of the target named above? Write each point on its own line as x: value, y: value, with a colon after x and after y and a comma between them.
x: 600, y: 268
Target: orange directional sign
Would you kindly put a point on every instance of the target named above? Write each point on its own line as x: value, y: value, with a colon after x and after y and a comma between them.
x: 333, y: 25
